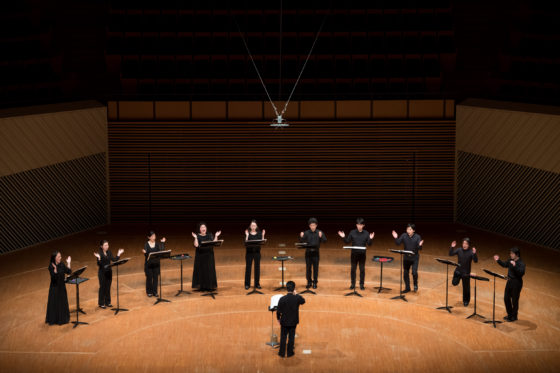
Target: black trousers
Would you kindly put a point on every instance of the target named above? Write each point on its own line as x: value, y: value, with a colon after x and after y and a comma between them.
x: 457, y: 277
x: 511, y: 297
x: 355, y: 259
x: 152, y: 274
x: 290, y: 332
x: 311, y: 260
x: 407, y: 263
x: 249, y: 258
x: 105, y: 280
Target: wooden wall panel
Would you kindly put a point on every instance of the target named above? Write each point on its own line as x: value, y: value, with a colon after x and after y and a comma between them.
x: 390, y: 109
x: 317, y: 110
x: 245, y: 110
x: 425, y: 109
x: 209, y: 110
x: 136, y: 110
x: 353, y: 110
x: 239, y: 170
x: 173, y: 110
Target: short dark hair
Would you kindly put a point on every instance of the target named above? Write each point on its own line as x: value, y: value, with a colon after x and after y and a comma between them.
x: 312, y: 221
x: 516, y: 251
x: 101, y: 243
x: 151, y: 233
x: 200, y: 224
x: 411, y: 225
x: 291, y: 286
x: 360, y: 221
x: 467, y: 239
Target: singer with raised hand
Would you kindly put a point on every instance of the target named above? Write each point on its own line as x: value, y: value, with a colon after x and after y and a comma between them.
x: 57, y: 304
x: 105, y: 275
x: 253, y: 254
x: 204, y: 268
x: 152, y: 266
x: 516, y: 271
x: 412, y: 242
x: 358, y: 237
x: 313, y: 237
x: 465, y: 256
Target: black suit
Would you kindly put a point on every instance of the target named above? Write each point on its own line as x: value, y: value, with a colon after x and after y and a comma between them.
x: 288, y: 314
x: 513, y: 285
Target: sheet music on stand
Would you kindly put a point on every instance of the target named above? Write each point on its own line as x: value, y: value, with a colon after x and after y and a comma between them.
x: 354, y: 248
x: 302, y: 245
x: 274, y: 301
x: 212, y: 243
x: 255, y: 242
x: 164, y: 254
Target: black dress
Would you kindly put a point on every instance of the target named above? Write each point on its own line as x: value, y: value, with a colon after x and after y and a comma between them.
x: 152, y: 267
x: 204, y: 271
x: 105, y: 276
x: 253, y: 253
x: 57, y: 306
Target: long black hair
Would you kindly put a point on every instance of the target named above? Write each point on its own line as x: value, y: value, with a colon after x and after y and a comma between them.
x: 101, y: 243
x: 53, y: 257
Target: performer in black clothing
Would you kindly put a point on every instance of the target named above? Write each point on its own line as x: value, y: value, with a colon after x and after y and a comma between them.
x: 465, y: 255
x: 253, y: 253
x: 516, y: 270
x: 358, y: 237
x: 204, y: 270
x: 105, y: 275
x: 57, y: 305
x: 313, y: 238
x: 152, y: 267
x: 287, y: 314
x: 412, y: 242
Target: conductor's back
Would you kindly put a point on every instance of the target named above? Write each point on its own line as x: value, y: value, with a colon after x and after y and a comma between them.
x: 287, y: 313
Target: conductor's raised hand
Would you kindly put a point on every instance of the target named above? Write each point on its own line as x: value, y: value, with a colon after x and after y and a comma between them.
x: 395, y: 235
x: 341, y: 234
x: 454, y: 243
x: 120, y: 252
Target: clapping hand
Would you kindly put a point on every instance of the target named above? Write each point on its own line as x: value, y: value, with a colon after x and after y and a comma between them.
x: 453, y: 244
x: 421, y: 243
x: 474, y: 250
x: 97, y: 256
x: 218, y: 234
x: 163, y: 239
x: 193, y: 234
x: 496, y: 257
x: 263, y: 232
x: 120, y: 252
x: 54, y: 266
x: 341, y: 234
x: 301, y: 234
x: 371, y: 235
x: 395, y: 235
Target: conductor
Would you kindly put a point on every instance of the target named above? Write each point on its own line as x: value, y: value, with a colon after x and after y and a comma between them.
x: 288, y: 318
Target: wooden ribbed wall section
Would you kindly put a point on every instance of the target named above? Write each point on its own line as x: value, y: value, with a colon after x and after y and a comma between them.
x: 515, y: 200
x: 391, y: 170
x: 52, y: 201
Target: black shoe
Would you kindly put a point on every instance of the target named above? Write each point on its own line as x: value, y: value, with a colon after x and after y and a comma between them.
x: 150, y: 295
x: 155, y: 295
x: 507, y: 318
x: 246, y: 287
x: 258, y: 287
x: 109, y: 305
x: 362, y: 287
x: 102, y: 307
x: 308, y: 285
x: 352, y: 287
x: 465, y: 304
x: 279, y: 354
x: 314, y: 287
x: 415, y: 288
x: 290, y: 355
x: 407, y: 290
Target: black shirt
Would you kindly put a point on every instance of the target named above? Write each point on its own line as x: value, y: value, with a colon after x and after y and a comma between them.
x: 288, y: 309
x: 514, y: 272
x: 358, y: 239
x: 410, y: 243
x: 252, y: 237
x: 106, y: 260
x: 159, y: 246
x: 205, y: 248
x: 464, y: 258
x: 313, y: 240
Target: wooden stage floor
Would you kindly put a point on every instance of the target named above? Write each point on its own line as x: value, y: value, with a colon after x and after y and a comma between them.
x: 228, y: 334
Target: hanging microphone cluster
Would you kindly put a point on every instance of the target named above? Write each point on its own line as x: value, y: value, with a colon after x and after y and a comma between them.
x: 279, y: 122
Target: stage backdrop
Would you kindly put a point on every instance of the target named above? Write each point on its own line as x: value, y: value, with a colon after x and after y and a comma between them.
x: 173, y: 171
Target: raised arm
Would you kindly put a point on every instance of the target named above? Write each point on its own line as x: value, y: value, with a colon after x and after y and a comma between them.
x: 474, y: 256
x: 195, y: 242
x: 453, y: 250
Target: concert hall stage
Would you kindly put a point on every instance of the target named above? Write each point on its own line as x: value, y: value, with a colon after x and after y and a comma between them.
x: 336, y: 333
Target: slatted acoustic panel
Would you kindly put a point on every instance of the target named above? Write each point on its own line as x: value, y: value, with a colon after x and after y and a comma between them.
x: 185, y: 171
x: 52, y: 172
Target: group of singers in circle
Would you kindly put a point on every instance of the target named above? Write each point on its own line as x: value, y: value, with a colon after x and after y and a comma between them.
x: 204, y: 269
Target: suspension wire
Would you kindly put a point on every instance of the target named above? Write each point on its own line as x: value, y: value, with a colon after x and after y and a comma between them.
x: 280, y: 78
x: 305, y: 63
x: 255, y: 66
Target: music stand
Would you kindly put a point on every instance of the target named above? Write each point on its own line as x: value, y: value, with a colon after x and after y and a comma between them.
x: 305, y: 245
x: 447, y: 264
x: 164, y: 254
x: 354, y: 291
x: 273, y: 307
x: 181, y: 257
x: 206, y: 245
x: 282, y: 259
x: 494, y: 321
x: 479, y: 278
x: 250, y: 243
x: 381, y: 260
x: 401, y: 252
x: 75, y: 279
x: 117, y: 264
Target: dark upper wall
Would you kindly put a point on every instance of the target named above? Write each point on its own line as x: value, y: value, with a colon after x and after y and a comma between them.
x: 192, y: 49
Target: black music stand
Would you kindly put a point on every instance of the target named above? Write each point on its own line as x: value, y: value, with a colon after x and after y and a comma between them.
x: 206, y: 244
x: 282, y: 259
x: 479, y: 278
x: 251, y: 243
x: 117, y: 264
x: 401, y: 252
x: 181, y: 257
x: 494, y: 321
x: 447, y: 264
x: 305, y: 245
x: 354, y: 291
x: 165, y: 254
x: 75, y: 279
x: 381, y: 260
